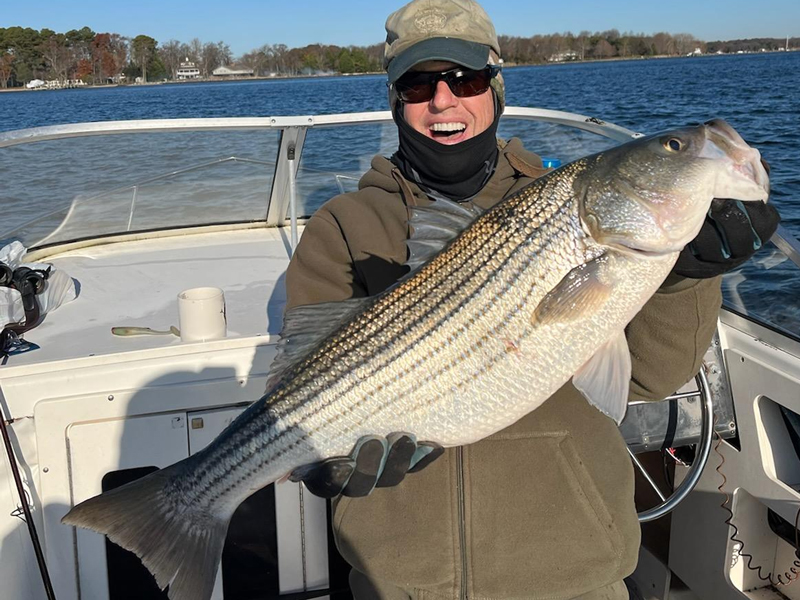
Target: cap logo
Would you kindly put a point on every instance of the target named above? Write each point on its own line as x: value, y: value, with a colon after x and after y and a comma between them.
x: 430, y: 20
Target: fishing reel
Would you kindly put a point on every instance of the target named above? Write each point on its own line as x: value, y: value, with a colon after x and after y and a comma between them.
x: 23, y: 278
x: 29, y: 283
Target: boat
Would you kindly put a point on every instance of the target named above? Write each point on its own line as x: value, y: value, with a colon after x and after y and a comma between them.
x: 221, y: 202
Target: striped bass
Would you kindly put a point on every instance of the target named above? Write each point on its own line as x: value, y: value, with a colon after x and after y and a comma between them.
x: 499, y: 311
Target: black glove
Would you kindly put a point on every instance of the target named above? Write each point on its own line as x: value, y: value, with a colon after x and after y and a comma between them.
x: 374, y: 462
x: 732, y: 232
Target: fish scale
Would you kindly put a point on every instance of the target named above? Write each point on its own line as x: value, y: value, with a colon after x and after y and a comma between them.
x: 354, y: 416
x: 442, y: 271
x: 534, y: 291
x: 446, y: 284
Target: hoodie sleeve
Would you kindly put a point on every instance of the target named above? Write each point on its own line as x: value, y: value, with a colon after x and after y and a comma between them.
x: 321, y: 268
x: 670, y: 335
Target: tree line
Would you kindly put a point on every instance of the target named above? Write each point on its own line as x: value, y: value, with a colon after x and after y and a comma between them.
x: 100, y: 58
x: 751, y: 45
x: 558, y: 47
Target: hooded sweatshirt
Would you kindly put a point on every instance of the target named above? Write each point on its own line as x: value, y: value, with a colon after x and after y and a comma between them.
x: 541, y: 510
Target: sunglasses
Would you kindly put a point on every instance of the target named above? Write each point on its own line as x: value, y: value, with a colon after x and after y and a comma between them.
x: 419, y: 86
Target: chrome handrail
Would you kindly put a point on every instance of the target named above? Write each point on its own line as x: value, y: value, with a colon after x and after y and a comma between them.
x: 787, y: 244
x: 71, y: 130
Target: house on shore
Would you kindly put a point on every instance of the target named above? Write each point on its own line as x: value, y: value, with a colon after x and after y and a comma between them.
x: 54, y: 84
x: 564, y: 56
x: 187, y: 70
x: 227, y: 72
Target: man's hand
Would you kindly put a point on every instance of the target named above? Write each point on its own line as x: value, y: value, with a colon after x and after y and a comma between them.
x: 374, y: 462
x: 732, y: 232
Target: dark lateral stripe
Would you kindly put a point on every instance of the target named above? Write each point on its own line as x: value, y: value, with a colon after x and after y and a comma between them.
x: 449, y: 366
x: 487, y: 365
x: 296, y: 429
x: 424, y: 328
x: 429, y: 328
x: 392, y: 307
x: 438, y: 279
x: 515, y: 210
x: 443, y: 295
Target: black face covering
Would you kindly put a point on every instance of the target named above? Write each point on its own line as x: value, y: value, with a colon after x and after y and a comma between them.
x: 457, y: 172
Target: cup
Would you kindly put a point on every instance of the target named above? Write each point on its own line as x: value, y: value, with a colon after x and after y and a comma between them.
x: 201, y: 314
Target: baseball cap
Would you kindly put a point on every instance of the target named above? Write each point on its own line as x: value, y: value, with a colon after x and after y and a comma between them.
x: 457, y: 31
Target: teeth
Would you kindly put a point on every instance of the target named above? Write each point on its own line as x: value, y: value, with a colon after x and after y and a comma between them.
x: 448, y: 127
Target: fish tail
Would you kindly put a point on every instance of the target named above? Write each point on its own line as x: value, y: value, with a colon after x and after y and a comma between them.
x: 180, y: 545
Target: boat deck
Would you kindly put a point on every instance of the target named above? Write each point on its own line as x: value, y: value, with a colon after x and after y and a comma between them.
x: 248, y: 265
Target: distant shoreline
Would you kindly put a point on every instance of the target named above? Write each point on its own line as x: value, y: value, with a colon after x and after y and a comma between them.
x: 328, y: 75
x: 190, y: 82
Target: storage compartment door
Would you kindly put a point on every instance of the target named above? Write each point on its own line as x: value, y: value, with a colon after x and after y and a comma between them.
x: 100, y: 448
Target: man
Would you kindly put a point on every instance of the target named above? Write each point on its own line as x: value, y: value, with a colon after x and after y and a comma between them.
x: 543, y: 509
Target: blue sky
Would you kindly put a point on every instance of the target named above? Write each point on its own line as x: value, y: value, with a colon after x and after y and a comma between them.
x: 248, y: 24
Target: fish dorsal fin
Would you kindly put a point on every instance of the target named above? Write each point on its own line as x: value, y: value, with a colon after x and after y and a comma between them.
x: 306, y: 326
x: 434, y: 226
x: 605, y: 379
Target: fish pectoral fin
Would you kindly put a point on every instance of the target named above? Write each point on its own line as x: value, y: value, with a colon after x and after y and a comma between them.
x: 579, y: 293
x: 284, y: 478
x: 605, y: 379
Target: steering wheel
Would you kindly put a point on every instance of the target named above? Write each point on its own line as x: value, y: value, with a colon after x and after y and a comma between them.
x: 668, y: 503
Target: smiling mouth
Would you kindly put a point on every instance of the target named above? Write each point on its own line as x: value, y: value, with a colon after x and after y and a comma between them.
x: 443, y: 131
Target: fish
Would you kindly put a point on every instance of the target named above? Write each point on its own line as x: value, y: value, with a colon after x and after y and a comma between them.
x: 499, y: 310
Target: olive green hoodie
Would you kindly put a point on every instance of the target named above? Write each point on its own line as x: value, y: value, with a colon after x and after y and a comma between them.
x: 543, y: 509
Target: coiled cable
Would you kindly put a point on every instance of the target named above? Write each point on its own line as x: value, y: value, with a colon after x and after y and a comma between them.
x: 785, y: 578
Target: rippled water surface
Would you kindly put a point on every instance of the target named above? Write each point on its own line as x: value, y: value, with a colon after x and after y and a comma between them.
x: 758, y: 94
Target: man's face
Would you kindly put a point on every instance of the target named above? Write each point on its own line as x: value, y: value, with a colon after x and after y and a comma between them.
x: 447, y: 118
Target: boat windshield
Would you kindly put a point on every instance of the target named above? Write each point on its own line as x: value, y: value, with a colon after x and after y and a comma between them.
x: 766, y: 288
x: 88, y: 187
x: 68, y: 185
x: 86, y: 181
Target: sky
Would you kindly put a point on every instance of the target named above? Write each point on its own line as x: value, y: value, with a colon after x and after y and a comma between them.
x: 248, y: 24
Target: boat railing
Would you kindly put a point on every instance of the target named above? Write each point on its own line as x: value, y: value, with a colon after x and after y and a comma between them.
x: 787, y: 244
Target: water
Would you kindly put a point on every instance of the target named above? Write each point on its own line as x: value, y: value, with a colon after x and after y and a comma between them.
x: 758, y: 94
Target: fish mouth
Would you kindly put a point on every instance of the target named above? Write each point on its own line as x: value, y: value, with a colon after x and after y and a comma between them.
x: 748, y: 179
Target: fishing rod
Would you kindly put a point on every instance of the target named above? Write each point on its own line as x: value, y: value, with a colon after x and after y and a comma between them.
x: 29, y: 283
x: 37, y: 546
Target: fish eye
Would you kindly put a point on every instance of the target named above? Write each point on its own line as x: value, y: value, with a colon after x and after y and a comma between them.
x: 673, y: 145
